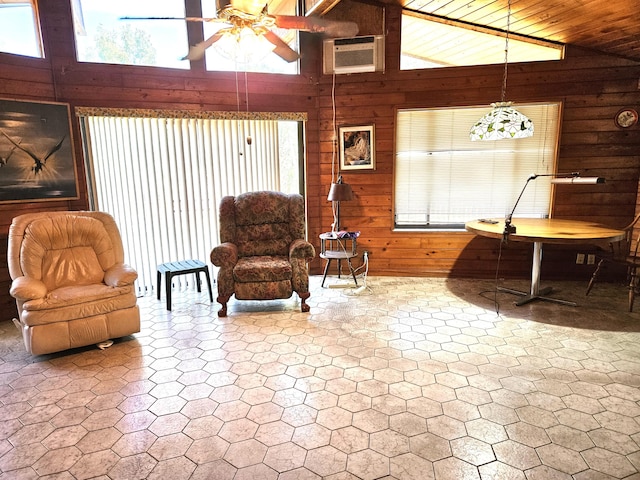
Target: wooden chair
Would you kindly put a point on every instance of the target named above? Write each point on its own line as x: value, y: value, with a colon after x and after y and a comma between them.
x: 625, y: 253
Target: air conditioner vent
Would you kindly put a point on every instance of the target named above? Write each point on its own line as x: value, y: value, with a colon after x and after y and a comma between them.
x: 353, y: 55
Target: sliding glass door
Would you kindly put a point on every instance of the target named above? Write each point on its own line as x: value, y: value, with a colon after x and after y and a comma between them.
x: 162, y: 176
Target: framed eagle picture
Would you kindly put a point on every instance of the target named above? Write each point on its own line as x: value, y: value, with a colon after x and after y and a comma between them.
x: 36, y: 152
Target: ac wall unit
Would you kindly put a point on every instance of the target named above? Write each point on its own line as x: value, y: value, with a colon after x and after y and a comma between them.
x: 353, y: 55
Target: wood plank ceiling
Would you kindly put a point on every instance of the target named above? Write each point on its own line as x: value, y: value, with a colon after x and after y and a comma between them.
x: 610, y: 26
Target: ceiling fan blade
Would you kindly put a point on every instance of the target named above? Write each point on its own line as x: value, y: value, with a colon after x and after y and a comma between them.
x: 187, y: 19
x: 283, y: 50
x: 196, y: 52
x: 330, y: 28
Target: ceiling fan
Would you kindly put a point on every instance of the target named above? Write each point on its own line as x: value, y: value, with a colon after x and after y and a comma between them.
x: 253, y: 15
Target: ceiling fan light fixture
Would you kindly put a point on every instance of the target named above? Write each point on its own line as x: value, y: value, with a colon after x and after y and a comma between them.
x: 252, y: 42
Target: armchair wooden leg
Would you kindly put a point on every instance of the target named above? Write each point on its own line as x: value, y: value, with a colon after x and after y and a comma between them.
x: 222, y: 300
x: 594, y: 275
x: 303, y: 299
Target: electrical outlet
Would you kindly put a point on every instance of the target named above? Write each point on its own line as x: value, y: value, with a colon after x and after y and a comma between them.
x: 591, y: 259
x: 580, y: 259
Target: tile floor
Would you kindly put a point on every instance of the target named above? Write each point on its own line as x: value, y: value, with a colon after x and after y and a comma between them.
x: 414, y: 378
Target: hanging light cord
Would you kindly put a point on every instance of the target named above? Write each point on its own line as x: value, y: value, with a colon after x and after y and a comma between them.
x: 237, y: 89
x: 246, y: 84
x: 246, y: 89
x: 506, y: 54
x: 334, y: 139
x: 334, y: 147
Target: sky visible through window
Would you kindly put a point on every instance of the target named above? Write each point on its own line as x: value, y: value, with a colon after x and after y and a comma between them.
x: 18, y: 34
x: 102, y: 37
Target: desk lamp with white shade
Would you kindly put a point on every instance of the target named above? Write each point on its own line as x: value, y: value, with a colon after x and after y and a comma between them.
x: 573, y: 178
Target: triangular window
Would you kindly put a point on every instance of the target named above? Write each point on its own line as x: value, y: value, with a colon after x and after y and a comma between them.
x: 435, y: 43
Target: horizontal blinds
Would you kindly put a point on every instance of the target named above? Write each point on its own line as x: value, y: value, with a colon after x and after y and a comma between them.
x: 163, y: 178
x: 443, y: 178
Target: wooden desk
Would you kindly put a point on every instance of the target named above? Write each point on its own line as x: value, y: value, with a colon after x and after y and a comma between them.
x: 544, y: 230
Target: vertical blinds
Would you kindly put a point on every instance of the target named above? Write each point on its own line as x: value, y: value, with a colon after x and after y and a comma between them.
x: 442, y: 178
x: 163, y: 178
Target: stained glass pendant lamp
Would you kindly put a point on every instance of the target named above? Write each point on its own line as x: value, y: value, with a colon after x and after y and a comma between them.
x: 504, y: 121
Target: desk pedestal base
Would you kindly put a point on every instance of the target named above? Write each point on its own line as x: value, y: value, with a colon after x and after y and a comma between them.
x: 536, y: 292
x: 541, y: 295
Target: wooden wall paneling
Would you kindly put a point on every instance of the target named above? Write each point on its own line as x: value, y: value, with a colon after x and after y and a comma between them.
x: 17, y: 72
x: 131, y: 91
x: 59, y: 77
x: 589, y: 142
x: 592, y: 87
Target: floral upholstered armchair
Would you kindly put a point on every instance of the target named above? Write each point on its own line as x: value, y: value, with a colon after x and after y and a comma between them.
x: 263, y: 253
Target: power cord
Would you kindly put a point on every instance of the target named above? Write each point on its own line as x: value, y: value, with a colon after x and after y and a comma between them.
x: 342, y: 246
x: 496, y: 303
x: 361, y: 288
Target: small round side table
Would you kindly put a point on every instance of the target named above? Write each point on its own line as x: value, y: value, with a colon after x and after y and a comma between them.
x: 334, y: 247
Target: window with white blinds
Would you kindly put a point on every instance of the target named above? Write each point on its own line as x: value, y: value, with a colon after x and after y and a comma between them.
x: 163, y: 178
x: 443, y: 179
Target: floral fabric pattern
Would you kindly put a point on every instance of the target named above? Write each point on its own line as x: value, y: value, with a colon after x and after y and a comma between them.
x: 262, y: 269
x: 263, y: 290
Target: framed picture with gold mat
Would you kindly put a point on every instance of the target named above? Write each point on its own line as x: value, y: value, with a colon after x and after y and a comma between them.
x: 357, y: 148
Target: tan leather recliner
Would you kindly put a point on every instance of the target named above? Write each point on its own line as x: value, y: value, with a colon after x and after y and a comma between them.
x: 70, y: 282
